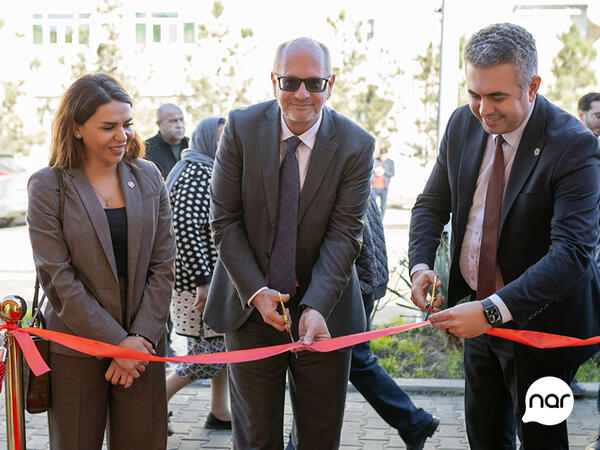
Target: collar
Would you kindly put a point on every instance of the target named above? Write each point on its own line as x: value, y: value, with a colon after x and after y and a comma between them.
x: 514, y: 137
x: 308, y: 138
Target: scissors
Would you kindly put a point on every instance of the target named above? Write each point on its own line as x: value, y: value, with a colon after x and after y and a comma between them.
x: 286, y: 324
x: 430, y: 305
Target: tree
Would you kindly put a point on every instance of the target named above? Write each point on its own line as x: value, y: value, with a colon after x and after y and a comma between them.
x: 13, y: 137
x: 365, y: 95
x: 427, y: 121
x: 219, y: 86
x: 573, y: 76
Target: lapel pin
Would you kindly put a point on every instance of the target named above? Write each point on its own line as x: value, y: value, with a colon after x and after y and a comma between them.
x: 131, y: 185
x: 536, y: 152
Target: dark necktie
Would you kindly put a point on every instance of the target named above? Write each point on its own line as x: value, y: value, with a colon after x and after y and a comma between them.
x: 486, y: 275
x: 282, y: 266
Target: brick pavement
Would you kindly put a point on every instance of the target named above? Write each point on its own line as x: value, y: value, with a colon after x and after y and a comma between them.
x: 362, y: 429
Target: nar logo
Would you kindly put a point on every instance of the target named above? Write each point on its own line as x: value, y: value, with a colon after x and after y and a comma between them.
x: 549, y: 401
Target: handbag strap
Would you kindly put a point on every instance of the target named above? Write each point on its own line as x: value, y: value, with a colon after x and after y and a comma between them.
x: 36, y: 306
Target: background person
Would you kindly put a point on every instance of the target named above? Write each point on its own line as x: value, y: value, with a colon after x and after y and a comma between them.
x: 282, y: 225
x: 164, y: 149
x: 383, y: 171
x: 588, y: 110
x: 103, y: 245
x: 521, y: 179
x: 189, y: 191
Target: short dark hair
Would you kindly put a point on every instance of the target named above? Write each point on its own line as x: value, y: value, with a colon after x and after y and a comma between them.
x: 504, y: 43
x: 78, y: 104
x: 585, y: 103
x: 162, y: 109
x: 301, y: 40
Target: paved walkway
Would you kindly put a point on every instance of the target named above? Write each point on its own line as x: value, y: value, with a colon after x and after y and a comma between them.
x: 363, y: 429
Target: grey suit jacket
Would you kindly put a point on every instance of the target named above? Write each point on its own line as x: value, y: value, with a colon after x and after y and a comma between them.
x: 244, y: 194
x: 75, y: 260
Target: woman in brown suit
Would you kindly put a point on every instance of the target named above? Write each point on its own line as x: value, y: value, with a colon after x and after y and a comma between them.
x: 103, y: 244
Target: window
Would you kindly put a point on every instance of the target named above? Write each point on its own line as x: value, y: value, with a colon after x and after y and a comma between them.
x: 161, y: 27
x: 68, y: 34
x: 38, y: 34
x: 84, y: 34
x: 164, y: 14
x: 370, y: 29
x: 140, y: 33
x: 53, y: 35
x: 60, y: 16
x: 188, y: 33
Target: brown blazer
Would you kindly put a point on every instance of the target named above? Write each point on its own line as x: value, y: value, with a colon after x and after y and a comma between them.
x: 75, y: 260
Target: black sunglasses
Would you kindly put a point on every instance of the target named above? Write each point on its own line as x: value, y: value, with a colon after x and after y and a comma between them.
x: 292, y: 84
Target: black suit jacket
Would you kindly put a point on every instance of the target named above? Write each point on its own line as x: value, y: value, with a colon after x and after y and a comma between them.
x: 548, y: 223
x: 243, y: 217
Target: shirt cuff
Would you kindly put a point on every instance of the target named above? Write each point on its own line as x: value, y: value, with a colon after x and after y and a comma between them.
x: 418, y: 268
x: 255, y: 294
x: 506, y: 315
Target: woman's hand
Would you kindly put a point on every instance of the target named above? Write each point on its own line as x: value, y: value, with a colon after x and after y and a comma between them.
x: 138, y: 344
x: 201, y: 294
x: 116, y: 375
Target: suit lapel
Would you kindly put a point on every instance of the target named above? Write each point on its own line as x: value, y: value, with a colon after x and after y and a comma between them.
x: 269, y: 137
x: 320, y: 159
x: 134, y: 208
x: 470, y: 163
x: 96, y: 214
x: 529, y: 151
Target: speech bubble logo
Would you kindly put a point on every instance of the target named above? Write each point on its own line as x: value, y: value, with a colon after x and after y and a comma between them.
x: 549, y: 401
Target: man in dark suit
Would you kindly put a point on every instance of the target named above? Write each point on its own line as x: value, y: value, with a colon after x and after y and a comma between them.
x: 164, y: 149
x: 289, y: 192
x: 588, y: 111
x: 521, y: 180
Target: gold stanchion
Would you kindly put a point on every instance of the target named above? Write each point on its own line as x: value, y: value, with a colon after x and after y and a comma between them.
x: 12, y: 310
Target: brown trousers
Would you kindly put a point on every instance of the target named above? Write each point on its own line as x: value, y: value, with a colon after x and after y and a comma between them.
x: 317, y: 385
x: 82, y: 403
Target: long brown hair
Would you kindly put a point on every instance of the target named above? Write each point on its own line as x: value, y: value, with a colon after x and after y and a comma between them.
x: 78, y: 104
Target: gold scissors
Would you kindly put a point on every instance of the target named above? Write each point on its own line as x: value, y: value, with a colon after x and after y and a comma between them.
x: 430, y: 305
x: 286, y: 324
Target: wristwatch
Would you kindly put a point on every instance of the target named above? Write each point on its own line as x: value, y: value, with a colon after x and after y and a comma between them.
x: 491, y: 312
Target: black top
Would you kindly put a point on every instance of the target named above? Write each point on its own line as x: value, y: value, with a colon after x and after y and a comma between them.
x: 117, y: 222
x: 163, y: 154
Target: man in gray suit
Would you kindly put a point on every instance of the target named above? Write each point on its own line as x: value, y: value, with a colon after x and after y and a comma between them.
x: 289, y: 192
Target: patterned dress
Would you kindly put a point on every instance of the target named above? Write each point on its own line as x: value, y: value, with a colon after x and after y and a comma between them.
x: 196, y: 257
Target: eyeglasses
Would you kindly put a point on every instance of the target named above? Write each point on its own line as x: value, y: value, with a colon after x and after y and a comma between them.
x: 292, y: 84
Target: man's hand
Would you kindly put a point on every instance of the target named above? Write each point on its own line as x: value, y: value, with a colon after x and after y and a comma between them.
x: 201, y: 294
x: 421, y: 282
x: 465, y: 320
x: 138, y: 344
x: 266, y: 302
x: 116, y: 375
x: 312, y: 327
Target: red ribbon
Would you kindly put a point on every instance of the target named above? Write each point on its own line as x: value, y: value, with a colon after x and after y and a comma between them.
x: 100, y: 349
